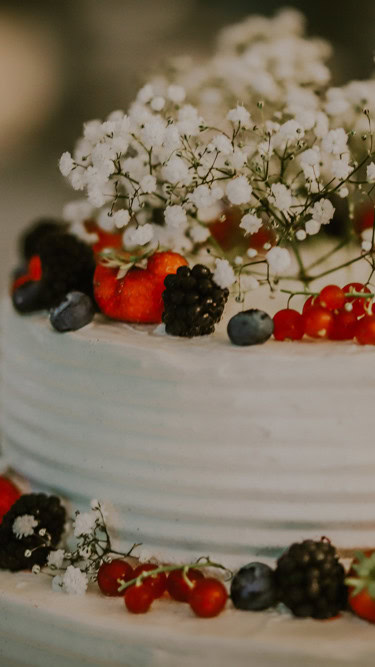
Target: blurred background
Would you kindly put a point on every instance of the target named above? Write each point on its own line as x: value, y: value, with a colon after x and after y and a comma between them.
x: 62, y: 63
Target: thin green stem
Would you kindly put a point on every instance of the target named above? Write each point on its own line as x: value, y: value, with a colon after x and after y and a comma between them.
x: 206, y: 562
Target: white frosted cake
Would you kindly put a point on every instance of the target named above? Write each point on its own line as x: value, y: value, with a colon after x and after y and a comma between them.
x: 212, y: 436
x: 200, y: 446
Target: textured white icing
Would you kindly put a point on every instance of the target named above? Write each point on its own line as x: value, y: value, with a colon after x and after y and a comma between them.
x: 40, y: 628
x: 203, y: 448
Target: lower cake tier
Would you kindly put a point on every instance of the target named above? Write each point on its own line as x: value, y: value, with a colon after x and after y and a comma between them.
x: 40, y: 628
x: 201, y: 447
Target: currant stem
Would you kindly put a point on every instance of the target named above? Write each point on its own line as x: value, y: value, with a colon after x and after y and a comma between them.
x: 168, y: 568
x: 354, y: 295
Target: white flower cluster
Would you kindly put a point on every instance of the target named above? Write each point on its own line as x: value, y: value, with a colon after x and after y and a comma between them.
x: 186, y: 152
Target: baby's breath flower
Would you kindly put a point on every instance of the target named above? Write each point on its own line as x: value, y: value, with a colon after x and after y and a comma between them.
x: 223, y: 273
x: 371, y: 172
x: 176, y: 93
x: 66, y: 163
x: 239, y: 190
x: 23, y: 526
x: 84, y: 523
x: 139, y: 235
x: 250, y: 223
x: 121, y: 218
x: 55, y: 559
x: 175, y: 216
x: 240, y: 115
x: 278, y: 260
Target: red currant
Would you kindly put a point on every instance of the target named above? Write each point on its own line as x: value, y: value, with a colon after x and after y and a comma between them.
x: 109, y: 573
x: 157, y: 583
x: 35, y: 268
x: 309, y: 303
x: 208, y: 597
x: 344, y: 324
x: 8, y: 496
x: 177, y: 587
x: 138, y: 598
x: 365, y: 330
x: 318, y: 322
x: 288, y: 325
x: 358, y: 302
x: 332, y: 297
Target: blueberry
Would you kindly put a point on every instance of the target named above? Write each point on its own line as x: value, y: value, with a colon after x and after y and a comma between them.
x: 74, y: 312
x: 29, y: 297
x: 254, y: 588
x: 250, y: 327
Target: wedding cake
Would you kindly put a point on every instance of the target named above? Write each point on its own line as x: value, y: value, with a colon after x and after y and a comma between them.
x: 176, y: 348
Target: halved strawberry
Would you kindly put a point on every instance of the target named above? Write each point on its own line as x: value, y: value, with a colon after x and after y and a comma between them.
x: 361, y: 582
x: 137, y: 297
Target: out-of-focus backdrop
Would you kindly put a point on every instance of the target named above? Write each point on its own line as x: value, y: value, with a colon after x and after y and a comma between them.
x: 62, y: 63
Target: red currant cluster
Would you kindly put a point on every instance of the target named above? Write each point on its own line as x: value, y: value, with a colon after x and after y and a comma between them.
x: 335, y: 313
x: 206, y: 596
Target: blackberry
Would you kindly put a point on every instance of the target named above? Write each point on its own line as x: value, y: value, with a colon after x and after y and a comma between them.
x: 50, y: 515
x: 193, y: 303
x: 311, y: 580
x: 32, y: 236
x: 67, y: 265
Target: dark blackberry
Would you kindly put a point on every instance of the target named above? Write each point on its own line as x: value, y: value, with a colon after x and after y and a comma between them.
x: 50, y: 515
x: 311, y: 580
x: 67, y: 265
x: 193, y: 303
x: 32, y: 236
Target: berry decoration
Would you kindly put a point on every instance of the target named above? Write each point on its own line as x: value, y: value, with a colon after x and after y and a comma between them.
x: 177, y: 585
x: 33, y: 235
x: 67, y: 265
x: 137, y: 296
x: 208, y: 597
x: 8, y: 495
x: 311, y: 580
x: 138, y: 598
x: 193, y: 303
x: 344, y: 325
x: 254, y: 587
x: 318, y: 322
x: 21, y: 550
x: 74, y: 312
x: 157, y: 583
x: 288, y: 325
x: 309, y: 303
x: 250, y: 327
x: 332, y: 297
x: 359, y: 304
x: 365, y: 330
x: 109, y: 573
x: 361, y: 582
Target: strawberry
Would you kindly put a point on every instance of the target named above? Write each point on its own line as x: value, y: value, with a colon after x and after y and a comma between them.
x: 162, y: 263
x: 361, y: 582
x: 8, y: 495
x: 34, y: 273
x: 137, y: 297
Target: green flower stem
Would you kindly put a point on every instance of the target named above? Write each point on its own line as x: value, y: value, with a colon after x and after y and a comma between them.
x: 341, y: 266
x: 302, y: 271
x: 329, y: 254
x: 354, y: 295
x: 168, y: 568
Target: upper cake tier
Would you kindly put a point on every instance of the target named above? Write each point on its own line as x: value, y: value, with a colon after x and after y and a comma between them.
x: 202, y: 447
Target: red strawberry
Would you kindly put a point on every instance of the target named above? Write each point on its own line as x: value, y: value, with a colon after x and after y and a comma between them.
x: 34, y: 273
x: 361, y: 582
x: 8, y: 496
x: 162, y: 263
x: 138, y: 296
